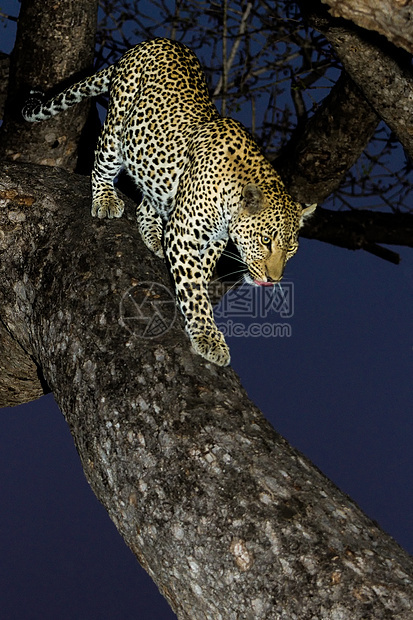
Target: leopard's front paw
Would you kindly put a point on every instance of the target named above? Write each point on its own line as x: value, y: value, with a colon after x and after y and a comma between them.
x: 212, y: 347
x: 109, y: 206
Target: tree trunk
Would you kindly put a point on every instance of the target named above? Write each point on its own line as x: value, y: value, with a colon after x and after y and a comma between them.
x: 55, y: 41
x: 229, y: 520
x: 4, y: 80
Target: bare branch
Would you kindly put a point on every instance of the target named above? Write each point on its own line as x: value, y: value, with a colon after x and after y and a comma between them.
x: 362, y: 230
x: 229, y: 61
x: 224, y: 75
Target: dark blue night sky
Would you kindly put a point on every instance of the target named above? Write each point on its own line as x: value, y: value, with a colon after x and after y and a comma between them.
x: 339, y: 388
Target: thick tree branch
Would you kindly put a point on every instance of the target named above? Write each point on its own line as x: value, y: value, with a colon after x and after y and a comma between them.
x: 362, y: 230
x: 392, y: 18
x: 324, y: 147
x: 382, y: 72
x: 229, y: 520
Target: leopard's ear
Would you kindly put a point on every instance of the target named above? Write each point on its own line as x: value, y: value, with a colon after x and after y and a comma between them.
x: 307, y: 212
x: 252, y: 198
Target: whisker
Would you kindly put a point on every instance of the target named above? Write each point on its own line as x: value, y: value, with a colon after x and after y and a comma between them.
x: 274, y: 292
x: 229, y: 274
x: 233, y: 256
x: 234, y: 285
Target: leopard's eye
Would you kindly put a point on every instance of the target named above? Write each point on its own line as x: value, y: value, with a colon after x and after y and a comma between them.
x: 266, y: 240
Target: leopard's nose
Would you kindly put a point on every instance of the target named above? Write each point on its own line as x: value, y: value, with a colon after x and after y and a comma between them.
x: 273, y: 280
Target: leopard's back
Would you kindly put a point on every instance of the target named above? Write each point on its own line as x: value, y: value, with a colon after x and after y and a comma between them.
x: 158, y: 99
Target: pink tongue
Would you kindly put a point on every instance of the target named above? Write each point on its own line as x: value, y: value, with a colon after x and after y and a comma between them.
x: 263, y: 283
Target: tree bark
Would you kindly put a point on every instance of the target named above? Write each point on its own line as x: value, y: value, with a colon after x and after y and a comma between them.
x: 229, y: 520
x: 4, y: 80
x: 383, y: 73
x: 391, y: 18
x: 324, y: 147
x: 55, y: 42
x: 19, y: 376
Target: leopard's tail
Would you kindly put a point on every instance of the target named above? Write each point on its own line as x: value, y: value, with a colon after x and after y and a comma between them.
x: 36, y: 109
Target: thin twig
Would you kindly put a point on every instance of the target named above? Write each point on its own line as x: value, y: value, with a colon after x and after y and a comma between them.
x: 227, y: 64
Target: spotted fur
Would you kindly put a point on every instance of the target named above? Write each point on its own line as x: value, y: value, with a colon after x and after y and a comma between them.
x: 203, y: 178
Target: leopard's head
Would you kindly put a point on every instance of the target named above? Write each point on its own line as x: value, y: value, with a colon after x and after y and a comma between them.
x: 265, y: 230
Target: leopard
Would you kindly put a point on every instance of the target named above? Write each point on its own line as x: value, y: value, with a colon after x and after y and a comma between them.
x: 202, y: 177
